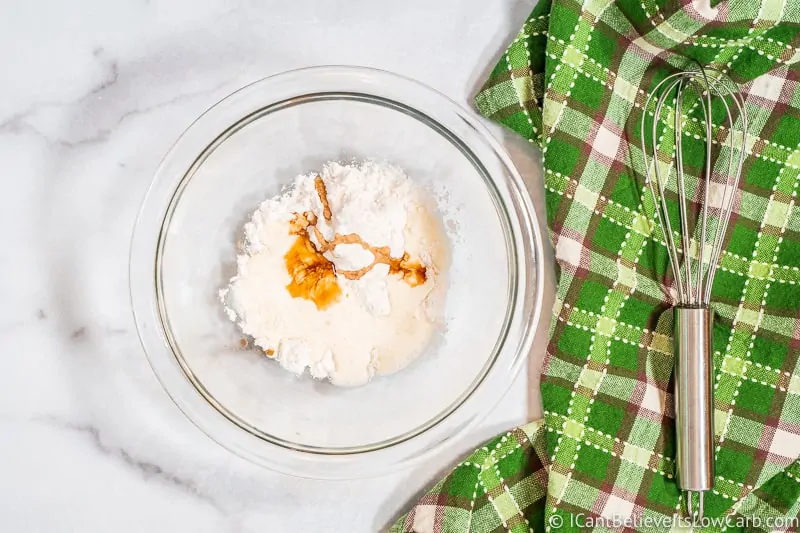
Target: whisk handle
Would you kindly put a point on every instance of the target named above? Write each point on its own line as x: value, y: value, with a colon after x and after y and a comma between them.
x: 694, y: 398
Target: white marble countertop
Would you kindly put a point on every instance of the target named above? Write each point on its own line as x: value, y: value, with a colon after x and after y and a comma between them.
x: 93, y: 94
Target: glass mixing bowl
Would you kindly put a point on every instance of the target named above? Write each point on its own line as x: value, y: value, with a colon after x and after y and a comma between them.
x: 247, y: 148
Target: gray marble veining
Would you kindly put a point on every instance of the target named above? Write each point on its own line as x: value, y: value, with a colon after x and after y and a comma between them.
x: 93, y: 95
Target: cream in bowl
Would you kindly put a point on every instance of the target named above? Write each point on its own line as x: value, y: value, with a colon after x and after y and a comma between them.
x: 440, y: 243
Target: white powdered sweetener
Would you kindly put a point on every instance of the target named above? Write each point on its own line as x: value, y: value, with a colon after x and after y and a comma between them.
x: 380, y: 319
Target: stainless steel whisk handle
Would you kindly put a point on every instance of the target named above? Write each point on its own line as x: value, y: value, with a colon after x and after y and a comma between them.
x: 694, y: 399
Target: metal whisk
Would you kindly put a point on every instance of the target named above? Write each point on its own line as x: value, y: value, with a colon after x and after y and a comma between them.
x: 694, y: 254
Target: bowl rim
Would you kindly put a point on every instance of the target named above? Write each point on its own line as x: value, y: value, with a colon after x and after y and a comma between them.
x: 335, y: 465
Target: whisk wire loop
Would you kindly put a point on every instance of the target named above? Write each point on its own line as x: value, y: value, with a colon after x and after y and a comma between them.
x: 659, y: 199
x: 694, y: 267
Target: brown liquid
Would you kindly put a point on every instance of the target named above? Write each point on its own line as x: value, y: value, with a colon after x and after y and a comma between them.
x: 411, y: 272
x: 314, y: 276
x: 319, y: 185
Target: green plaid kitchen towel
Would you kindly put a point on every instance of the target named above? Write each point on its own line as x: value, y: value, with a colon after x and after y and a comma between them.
x: 574, y: 82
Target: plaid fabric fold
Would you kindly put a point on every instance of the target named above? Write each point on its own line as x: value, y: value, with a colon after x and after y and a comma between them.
x: 500, y: 487
x: 574, y: 82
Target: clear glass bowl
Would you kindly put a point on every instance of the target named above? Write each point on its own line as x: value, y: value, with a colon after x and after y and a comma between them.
x: 247, y: 148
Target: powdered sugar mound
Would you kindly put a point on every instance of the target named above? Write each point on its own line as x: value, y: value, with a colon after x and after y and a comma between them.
x: 380, y: 322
